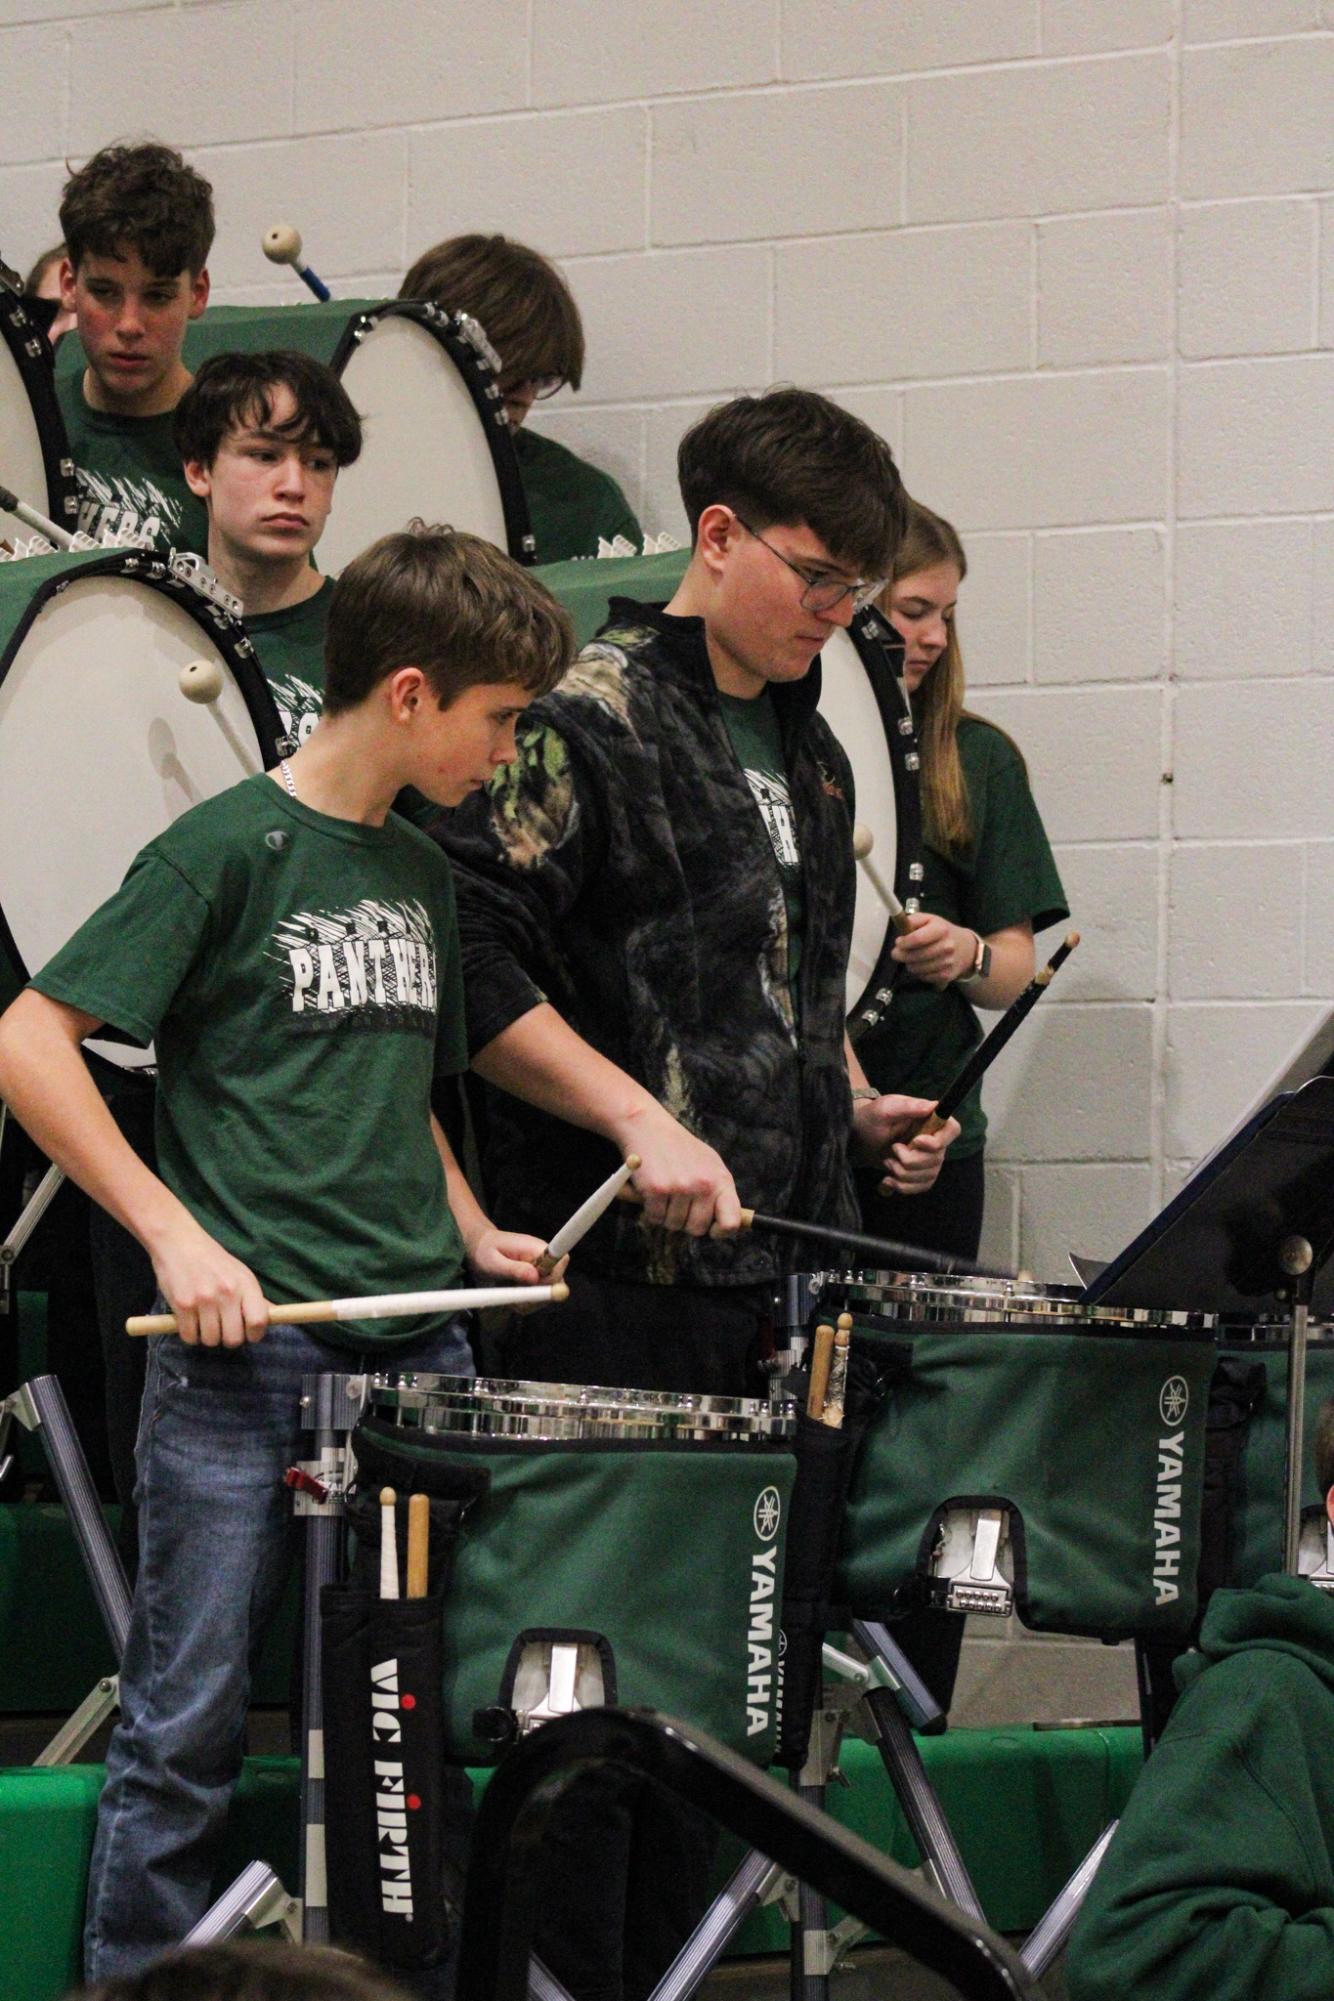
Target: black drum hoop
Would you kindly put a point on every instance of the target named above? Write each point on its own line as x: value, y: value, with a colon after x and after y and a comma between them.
x: 226, y: 632
x: 35, y: 361
x: 880, y: 649
x: 479, y: 378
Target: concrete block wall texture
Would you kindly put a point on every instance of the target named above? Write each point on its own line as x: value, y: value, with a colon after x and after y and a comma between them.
x: 1075, y: 261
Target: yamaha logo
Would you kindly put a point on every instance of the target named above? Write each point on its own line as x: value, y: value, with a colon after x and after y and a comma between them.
x: 768, y: 1513
x: 1174, y: 1400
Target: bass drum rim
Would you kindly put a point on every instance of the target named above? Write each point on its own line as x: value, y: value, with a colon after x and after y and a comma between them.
x: 880, y: 650
x: 227, y: 633
x: 37, y: 372
x: 479, y: 378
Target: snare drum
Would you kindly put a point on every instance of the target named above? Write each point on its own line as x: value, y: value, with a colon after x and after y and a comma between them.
x: 99, y: 747
x: 34, y: 453
x: 640, y: 1531
x: 1029, y: 1455
x: 436, y: 442
x: 864, y: 702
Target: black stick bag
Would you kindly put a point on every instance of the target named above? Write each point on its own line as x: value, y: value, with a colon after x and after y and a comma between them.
x: 388, y: 1792
x: 825, y: 1462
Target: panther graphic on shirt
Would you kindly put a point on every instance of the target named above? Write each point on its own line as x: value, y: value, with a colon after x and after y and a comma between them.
x: 775, y: 804
x: 298, y: 702
x: 369, y: 968
x: 129, y: 506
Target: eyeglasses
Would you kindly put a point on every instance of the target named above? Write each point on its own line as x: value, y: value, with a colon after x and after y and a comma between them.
x: 823, y: 592
x: 541, y: 386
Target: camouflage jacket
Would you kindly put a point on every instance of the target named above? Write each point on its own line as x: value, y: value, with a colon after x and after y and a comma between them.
x: 620, y: 869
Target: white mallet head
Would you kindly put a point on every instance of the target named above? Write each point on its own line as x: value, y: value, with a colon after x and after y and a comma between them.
x: 281, y: 244
x: 863, y: 840
x: 201, y: 681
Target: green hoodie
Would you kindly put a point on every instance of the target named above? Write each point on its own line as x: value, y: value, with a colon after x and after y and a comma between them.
x: 1219, y: 1885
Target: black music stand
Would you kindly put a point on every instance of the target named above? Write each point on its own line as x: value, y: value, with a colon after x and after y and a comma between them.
x: 1251, y: 1233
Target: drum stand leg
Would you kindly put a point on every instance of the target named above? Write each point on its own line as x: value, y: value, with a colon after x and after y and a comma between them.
x: 29, y: 1217
x: 330, y: 1408
x: 1052, y: 1930
x: 816, y: 1948
x: 896, y: 1697
x: 39, y: 1405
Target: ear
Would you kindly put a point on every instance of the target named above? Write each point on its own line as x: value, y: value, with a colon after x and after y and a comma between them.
x: 199, y: 289
x: 198, y: 478
x: 67, y: 300
x: 1329, y: 1505
x: 716, y: 535
x: 407, y: 691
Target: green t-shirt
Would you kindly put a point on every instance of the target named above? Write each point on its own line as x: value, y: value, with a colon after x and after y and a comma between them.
x: 129, y: 473
x: 300, y: 977
x: 290, y: 645
x: 757, y: 738
x: 570, y: 503
x: 1007, y: 875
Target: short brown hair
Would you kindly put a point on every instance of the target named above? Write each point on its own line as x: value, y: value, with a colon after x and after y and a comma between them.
x: 449, y: 603
x: 231, y: 391
x: 143, y: 198
x: 250, y: 1970
x: 1324, y: 1447
x: 791, y: 456
x: 526, y: 308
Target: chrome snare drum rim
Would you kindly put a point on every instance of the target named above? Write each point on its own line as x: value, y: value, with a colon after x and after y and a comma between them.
x: 938, y: 1299
x: 485, y: 1407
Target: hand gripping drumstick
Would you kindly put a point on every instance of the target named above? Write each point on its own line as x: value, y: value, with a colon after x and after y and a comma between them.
x: 382, y: 1306
x: 863, y: 840
x: 281, y: 244
x: 971, y: 1072
x: 419, y: 1542
x: 388, y: 1543
x: 584, y: 1217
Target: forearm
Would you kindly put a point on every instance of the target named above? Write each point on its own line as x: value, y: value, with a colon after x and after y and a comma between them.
x: 47, y: 1085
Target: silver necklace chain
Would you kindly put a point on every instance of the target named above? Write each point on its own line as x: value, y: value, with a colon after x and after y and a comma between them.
x: 286, y: 771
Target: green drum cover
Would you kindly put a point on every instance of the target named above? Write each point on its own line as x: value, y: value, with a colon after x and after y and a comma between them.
x: 1095, y: 1441
x: 1257, y: 1520
x: 671, y: 1552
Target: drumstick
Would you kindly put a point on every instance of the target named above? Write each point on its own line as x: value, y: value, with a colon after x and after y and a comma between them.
x: 584, y: 1217
x: 388, y: 1543
x: 822, y: 1354
x: 832, y: 1413
x: 419, y: 1543
x: 971, y: 1072
x: 281, y: 244
x: 888, y: 1254
x: 863, y: 840
x: 11, y: 504
x: 382, y: 1306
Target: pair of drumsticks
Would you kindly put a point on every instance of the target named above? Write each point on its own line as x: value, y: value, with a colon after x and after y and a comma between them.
x: 829, y: 1372
x: 419, y: 1544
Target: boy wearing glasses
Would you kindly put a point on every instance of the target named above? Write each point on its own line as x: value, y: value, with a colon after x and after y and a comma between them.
x: 656, y: 904
x: 529, y: 315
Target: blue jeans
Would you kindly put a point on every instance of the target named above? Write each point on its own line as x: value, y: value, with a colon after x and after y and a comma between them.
x: 217, y: 1537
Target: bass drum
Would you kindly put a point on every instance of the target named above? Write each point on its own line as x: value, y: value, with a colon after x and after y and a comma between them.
x: 864, y: 702
x: 100, y: 747
x: 436, y: 441
x: 34, y: 452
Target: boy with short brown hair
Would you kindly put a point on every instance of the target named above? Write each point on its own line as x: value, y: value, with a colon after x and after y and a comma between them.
x: 290, y: 947
x: 138, y: 227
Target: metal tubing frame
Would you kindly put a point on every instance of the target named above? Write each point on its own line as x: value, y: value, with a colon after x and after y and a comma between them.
x: 1057, y: 1922
x: 500, y: 1904
x: 69, y: 1468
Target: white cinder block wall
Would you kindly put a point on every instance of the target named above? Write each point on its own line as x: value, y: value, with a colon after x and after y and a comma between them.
x: 1075, y: 258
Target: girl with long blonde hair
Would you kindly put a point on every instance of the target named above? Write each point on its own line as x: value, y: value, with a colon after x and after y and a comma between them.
x: 990, y: 883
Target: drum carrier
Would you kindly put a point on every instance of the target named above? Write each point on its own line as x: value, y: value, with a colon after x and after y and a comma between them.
x: 34, y: 450
x: 616, y: 1545
x: 1032, y: 1454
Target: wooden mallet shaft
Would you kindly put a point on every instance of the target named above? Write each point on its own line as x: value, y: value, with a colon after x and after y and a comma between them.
x: 381, y: 1306
x: 419, y: 1543
x: 863, y: 840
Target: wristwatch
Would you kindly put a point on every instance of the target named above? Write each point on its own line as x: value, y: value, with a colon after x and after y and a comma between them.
x: 981, y: 965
